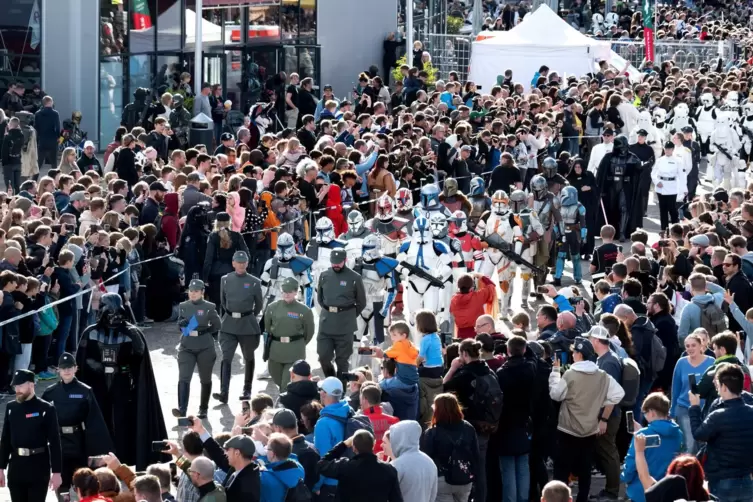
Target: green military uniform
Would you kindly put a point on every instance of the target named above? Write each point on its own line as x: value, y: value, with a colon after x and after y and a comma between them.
x: 241, y: 302
x: 290, y: 327
x: 342, y: 296
x: 198, y: 321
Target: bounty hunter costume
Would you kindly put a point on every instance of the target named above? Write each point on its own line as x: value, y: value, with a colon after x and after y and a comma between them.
x: 29, y: 154
x: 180, y: 121
x: 134, y: 112
x: 574, y: 217
x: 480, y: 202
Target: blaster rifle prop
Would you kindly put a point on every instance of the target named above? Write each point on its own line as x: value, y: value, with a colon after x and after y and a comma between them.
x: 723, y: 150
x: 504, y: 248
x: 423, y: 274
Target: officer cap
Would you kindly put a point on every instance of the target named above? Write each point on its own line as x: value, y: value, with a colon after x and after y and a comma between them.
x: 242, y: 443
x: 66, y: 361
x: 687, y: 128
x: 669, y: 144
x: 289, y: 285
x: 285, y: 419
x: 240, y: 257
x: 21, y: 377
x: 337, y: 256
x: 196, y: 285
x: 301, y: 368
x: 642, y: 132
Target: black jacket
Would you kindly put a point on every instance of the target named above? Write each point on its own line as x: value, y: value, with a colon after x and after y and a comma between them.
x: 47, y: 124
x: 297, y: 394
x: 517, y: 380
x: 307, y: 139
x: 666, y: 330
x: 247, y: 484
x: 158, y: 142
x: 364, y: 478
x: 461, y: 384
x: 743, y: 291
x: 438, y: 442
x: 125, y: 166
x: 308, y: 457
x: 642, y: 332
x: 13, y: 144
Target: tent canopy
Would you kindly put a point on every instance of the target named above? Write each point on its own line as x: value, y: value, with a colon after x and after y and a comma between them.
x: 543, y: 38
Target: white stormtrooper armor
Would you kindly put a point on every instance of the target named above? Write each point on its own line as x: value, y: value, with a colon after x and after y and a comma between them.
x: 532, y: 230
x: 441, y: 233
x: 470, y: 245
x: 705, y: 120
x: 321, y: 247
x: 392, y: 231
x: 434, y: 258
x: 597, y: 23
x: 611, y: 19
x: 680, y: 118
x: 286, y: 263
x: 357, y: 232
x: 725, y: 146
x: 746, y: 128
x: 661, y: 127
x: 502, y: 228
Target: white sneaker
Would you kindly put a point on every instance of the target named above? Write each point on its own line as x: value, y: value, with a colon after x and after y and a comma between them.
x: 264, y: 375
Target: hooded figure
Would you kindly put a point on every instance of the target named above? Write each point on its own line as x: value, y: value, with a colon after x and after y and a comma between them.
x: 416, y: 471
x: 193, y: 239
x: 237, y: 213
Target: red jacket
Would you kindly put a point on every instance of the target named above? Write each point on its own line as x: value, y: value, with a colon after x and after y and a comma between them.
x: 334, y: 210
x: 381, y: 423
x: 467, y: 307
x: 170, y: 225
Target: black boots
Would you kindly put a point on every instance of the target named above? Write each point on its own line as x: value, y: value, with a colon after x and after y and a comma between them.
x: 206, y: 391
x: 224, y: 382
x: 184, y: 389
x: 248, y: 379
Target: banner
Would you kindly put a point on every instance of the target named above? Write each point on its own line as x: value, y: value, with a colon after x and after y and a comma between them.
x: 647, y: 10
x: 35, y: 25
x: 141, y: 17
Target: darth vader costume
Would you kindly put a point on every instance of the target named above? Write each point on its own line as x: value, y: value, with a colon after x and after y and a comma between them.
x: 114, y: 360
x: 618, y: 179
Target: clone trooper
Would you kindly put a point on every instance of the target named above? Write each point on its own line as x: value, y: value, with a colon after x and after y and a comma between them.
x: 547, y: 207
x: 430, y: 202
x: 392, y: 231
x: 440, y: 233
x: 574, y: 218
x: 532, y: 232
x: 502, y: 228
x: 434, y: 258
x: 725, y: 147
x: 480, y: 202
x: 746, y: 127
x: 286, y: 263
x: 321, y: 247
x: 705, y: 120
x: 680, y: 118
x: 404, y: 207
x: 470, y: 244
x: 357, y: 232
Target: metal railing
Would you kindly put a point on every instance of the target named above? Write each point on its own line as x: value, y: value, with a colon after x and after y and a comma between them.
x: 449, y: 53
x: 683, y: 53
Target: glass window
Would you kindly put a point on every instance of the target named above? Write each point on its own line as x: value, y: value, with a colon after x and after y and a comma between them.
x: 139, y: 73
x: 20, y: 42
x: 169, y: 69
x: 307, y: 63
x: 264, y: 22
x: 308, y: 21
x: 233, y: 83
x: 289, y: 19
x: 110, y: 97
x: 262, y: 64
x: 231, y: 25
x: 169, y: 36
x: 113, y: 19
x: 142, y: 24
x: 290, y: 61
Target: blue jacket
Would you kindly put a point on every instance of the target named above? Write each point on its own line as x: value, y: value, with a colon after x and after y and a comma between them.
x: 404, y: 401
x: 658, y: 459
x: 328, y: 431
x: 690, y: 319
x: 446, y: 98
x: 728, y: 436
x: 278, y: 477
x: 62, y: 199
x: 47, y: 124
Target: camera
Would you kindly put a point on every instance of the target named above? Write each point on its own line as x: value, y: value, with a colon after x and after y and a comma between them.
x: 575, y: 300
x: 159, y: 446
x: 350, y: 377
x: 663, y: 243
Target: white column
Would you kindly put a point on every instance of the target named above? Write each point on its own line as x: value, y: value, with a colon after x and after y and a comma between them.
x: 198, y: 48
x: 409, y: 32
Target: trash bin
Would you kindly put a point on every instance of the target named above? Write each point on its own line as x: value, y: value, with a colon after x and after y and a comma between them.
x: 202, y: 131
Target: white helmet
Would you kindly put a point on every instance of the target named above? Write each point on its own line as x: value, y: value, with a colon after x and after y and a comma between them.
x: 438, y: 224
x: 355, y: 221
x: 285, y: 247
x: 459, y: 222
x: 370, y: 248
x: 422, y: 231
x: 611, y: 19
x: 385, y: 208
x: 732, y: 99
x: 597, y: 19
x: 403, y: 200
x: 500, y: 203
x: 748, y: 109
x: 660, y: 115
x: 707, y: 99
x: 681, y: 111
x: 325, y: 230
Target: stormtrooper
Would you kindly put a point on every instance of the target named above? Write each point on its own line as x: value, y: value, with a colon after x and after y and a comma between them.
x: 470, y: 245
x: 404, y: 207
x: 430, y: 202
x: 481, y: 203
x: 322, y: 245
x: 134, y: 112
x: 425, y: 266
x: 574, y: 218
x: 611, y: 19
x: 392, y: 230
x: 705, y: 119
x: 533, y: 231
x: 680, y: 118
x: 746, y: 127
x: 660, y: 126
x: 644, y: 122
x: 731, y: 106
x: 725, y: 147
x: 180, y: 121
x: 501, y: 231
x: 357, y: 232
x: 286, y: 263
x: 547, y: 207
x: 597, y: 24
x: 440, y: 233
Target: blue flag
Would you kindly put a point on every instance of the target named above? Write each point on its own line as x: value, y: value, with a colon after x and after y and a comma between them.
x: 192, y: 325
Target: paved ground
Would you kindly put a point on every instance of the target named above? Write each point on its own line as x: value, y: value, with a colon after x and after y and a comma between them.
x: 163, y: 340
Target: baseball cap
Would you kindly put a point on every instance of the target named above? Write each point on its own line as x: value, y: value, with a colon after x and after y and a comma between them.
x: 66, y: 361
x: 289, y: 285
x: 301, y: 368
x: 21, y: 377
x: 701, y: 240
x: 285, y: 418
x: 242, y: 443
x: 599, y: 333
x: 226, y: 136
x: 79, y: 196
x: 583, y: 346
x: 337, y: 256
x: 330, y: 385
x: 669, y: 144
x: 642, y: 132
x: 240, y: 257
x: 88, y: 144
x: 196, y: 285
x: 158, y: 186
x: 327, y: 87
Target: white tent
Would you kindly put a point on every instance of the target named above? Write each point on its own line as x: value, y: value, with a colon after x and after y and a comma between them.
x: 542, y: 38
x: 170, y: 32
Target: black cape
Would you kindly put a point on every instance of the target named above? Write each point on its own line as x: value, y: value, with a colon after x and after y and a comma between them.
x: 632, y: 191
x: 136, y: 418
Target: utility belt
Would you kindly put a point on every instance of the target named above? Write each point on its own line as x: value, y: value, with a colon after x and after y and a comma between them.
x: 626, y: 179
x: 27, y: 452
x: 71, y: 429
x: 112, y: 370
x: 662, y: 178
x: 240, y: 315
x: 334, y: 310
x: 287, y: 339
x: 572, y: 228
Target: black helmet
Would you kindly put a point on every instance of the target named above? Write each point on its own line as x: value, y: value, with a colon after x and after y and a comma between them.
x: 549, y: 167
x: 621, y: 145
x: 111, y: 310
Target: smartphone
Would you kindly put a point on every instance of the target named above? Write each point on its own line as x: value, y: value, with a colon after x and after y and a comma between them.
x: 365, y: 351
x: 96, y: 462
x: 542, y: 290
x: 247, y: 430
x: 185, y: 422
x: 608, y: 270
x: 630, y: 422
x: 619, y: 247
x: 350, y: 377
x: 692, y: 383
x: 653, y: 441
x: 661, y: 272
x: 245, y: 407
x: 159, y: 446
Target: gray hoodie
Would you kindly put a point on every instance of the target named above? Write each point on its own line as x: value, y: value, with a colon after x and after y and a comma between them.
x: 415, y: 469
x: 690, y: 319
x: 84, y: 279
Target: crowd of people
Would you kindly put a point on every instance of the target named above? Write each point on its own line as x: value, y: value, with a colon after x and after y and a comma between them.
x: 401, y: 229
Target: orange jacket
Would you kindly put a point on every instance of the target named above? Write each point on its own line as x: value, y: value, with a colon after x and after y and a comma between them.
x: 272, y: 223
x: 469, y: 306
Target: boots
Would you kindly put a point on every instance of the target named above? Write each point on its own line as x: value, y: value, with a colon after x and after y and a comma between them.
x: 184, y: 389
x: 225, y: 369
x: 206, y: 391
x: 248, y: 379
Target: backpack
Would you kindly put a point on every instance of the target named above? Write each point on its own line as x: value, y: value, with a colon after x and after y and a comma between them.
x: 487, y: 402
x: 630, y: 381
x: 460, y: 465
x: 658, y: 355
x: 299, y: 493
x: 352, y: 424
x: 713, y: 319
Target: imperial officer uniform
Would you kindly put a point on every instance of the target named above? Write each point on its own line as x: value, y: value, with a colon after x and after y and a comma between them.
x: 290, y: 327
x: 241, y: 303
x: 342, y: 296
x: 669, y: 177
x: 30, y: 445
x: 198, y: 321
x: 83, y: 431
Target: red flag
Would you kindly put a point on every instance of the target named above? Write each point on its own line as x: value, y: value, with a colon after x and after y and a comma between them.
x: 648, y: 38
x: 141, y: 17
